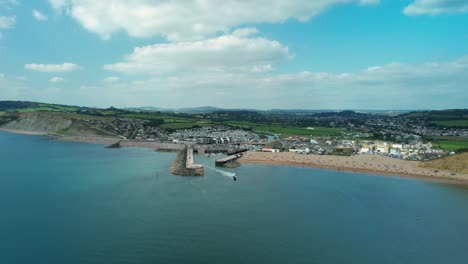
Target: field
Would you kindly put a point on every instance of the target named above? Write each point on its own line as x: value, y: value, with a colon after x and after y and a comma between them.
x: 452, y: 123
x: 184, y: 125
x: 451, y: 143
x: 48, y: 108
x: 184, y: 122
x: 174, y: 121
x: 285, y: 130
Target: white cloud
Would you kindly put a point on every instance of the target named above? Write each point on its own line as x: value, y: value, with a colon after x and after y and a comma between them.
x: 8, y: 4
x: 435, y: 7
x: 38, y: 15
x: 111, y: 79
x: 239, y: 51
x: 65, y: 67
x: 56, y: 80
x: 434, y: 85
x: 59, y: 4
x: 7, y: 22
x: 11, y: 89
x: 187, y: 19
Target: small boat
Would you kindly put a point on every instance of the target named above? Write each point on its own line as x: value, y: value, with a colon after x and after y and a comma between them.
x: 234, y: 178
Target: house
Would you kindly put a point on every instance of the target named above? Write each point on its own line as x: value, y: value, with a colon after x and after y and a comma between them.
x: 381, y: 148
x: 395, y: 151
x: 314, y: 142
x: 364, y: 150
x: 275, y: 145
x: 270, y: 149
x: 397, y: 146
x: 300, y: 151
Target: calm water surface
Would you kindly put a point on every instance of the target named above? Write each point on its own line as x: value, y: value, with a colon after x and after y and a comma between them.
x: 63, y: 202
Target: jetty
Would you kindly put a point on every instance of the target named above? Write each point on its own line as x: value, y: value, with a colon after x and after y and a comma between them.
x: 185, y: 165
x: 229, y: 161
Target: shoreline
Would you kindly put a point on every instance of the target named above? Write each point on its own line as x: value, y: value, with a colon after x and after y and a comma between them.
x: 105, y: 141
x: 369, y: 164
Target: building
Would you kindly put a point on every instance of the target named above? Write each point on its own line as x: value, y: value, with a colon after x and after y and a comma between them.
x: 269, y: 149
x: 300, y: 151
x: 364, y: 150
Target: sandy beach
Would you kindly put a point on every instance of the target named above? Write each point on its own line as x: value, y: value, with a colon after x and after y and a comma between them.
x: 23, y: 132
x: 359, y: 163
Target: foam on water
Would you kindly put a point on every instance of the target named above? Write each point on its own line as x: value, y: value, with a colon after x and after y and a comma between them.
x: 221, y: 172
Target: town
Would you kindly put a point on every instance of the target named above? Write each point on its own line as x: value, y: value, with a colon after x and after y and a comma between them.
x: 397, y: 138
x: 417, y: 135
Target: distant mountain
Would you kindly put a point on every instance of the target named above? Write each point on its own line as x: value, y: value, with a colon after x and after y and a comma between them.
x: 149, y: 109
x: 439, y: 115
x: 198, y: 110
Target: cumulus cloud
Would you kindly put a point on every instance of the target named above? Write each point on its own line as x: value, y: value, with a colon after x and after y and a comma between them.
x: 241, y: 50
x: 38, y: 15
x: 435, y: 7
x: 392, y: 86
x: 65, y: 67
x: 7, y: 22
x: 56, y: 80
x: 8, y: 4
x: 187, y: 19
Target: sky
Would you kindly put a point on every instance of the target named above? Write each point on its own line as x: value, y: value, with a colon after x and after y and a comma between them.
x: 261, y: 54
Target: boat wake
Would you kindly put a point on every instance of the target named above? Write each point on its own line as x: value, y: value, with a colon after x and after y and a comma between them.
x: 224, y: 173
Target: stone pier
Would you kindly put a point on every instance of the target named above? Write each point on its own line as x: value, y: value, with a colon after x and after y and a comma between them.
x: 184, y: 165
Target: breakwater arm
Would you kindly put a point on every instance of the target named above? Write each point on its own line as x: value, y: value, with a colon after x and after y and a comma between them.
x: 184, y: 164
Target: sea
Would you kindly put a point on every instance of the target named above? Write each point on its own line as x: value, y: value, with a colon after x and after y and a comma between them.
x: 68, y: 202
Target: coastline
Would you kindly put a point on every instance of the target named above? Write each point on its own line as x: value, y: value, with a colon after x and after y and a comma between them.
x: 105, y: 141
x: 368, y: 164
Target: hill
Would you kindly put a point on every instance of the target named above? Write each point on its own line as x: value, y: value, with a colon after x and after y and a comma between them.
x: 455, y: 163
x: 54, y: 123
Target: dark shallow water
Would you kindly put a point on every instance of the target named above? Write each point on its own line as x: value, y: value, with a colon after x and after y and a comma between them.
x: 63, y: 202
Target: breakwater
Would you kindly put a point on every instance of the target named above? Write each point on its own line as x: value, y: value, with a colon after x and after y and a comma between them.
x: 184, y: 164
x: 229, y: 161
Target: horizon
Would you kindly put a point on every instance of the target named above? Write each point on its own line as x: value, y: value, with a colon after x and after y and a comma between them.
x: 241, y: 109
x: 374, y: 55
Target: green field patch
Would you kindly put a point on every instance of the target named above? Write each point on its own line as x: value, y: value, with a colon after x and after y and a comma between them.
x: 452, y: 123
x: 450, y: 143
x: 141, y: 116
x: 287, y: 131
x: 184, y: 125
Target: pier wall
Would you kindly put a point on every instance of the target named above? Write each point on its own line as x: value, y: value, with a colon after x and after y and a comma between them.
x: 184, y: 165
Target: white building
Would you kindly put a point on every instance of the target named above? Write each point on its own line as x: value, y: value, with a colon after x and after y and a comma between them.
x: 364, y: 150
x: 270, y: 150
x: 300, y: 151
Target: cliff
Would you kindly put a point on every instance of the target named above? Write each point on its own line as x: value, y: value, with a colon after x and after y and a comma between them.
x: 455, y: 163
x: 51, y: 123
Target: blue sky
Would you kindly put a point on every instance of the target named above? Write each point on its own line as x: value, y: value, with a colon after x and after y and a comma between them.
x: 324, y: 54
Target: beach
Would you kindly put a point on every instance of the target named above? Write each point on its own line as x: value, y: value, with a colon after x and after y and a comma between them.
x: 372, y: 164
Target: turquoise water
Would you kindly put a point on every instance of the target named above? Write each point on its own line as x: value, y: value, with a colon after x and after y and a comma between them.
x: 64, y: 202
